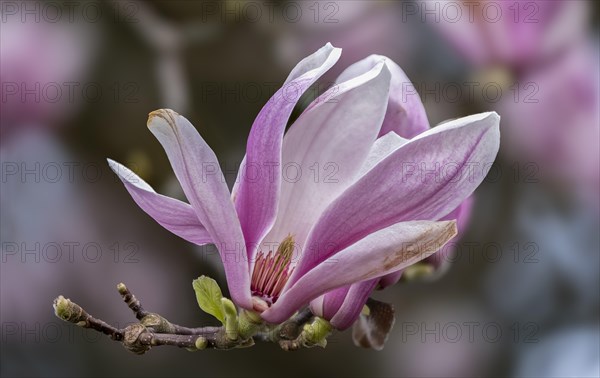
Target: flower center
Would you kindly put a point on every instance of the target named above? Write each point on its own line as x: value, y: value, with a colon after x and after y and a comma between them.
x: 271, y: 271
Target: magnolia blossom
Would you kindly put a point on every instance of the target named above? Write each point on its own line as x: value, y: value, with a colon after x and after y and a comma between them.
x: 368, y: 201
x: 515, y: 33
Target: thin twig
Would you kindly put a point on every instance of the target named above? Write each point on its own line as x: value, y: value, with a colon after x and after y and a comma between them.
x: 152, y: 330
x: 131, y: 301
x: 155, y: 330
x: 73, y: 313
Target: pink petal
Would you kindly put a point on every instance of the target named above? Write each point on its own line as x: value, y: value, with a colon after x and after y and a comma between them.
x: 174, y: 215
x: 426, y: 178
x: 259, y: 180
x: 316, y: 305
x: 198, y: 171
x: 381, y: 149
x: 325, y: 148
x: 461, y: 214
x: 352, y: 304
x: 380, y: 253
x: 343, y: 305
x: 390, y: 279
x: 405, y: 112
x: 333, y: 300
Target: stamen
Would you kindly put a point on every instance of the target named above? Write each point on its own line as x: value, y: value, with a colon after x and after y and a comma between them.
x: 272, y: 271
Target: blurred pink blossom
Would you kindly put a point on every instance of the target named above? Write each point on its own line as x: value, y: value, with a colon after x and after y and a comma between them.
x: 560, y: 126
x: 361, y: 28
x: 553, y: 118
x: 514, y: 33
x: 40, y: 62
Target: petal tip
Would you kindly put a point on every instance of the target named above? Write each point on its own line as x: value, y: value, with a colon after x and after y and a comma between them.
x: 494, y: 122
x: 329, y: 46
x: 492, y: 116
x: 112, y: 164
x: 127, y: 176
x: 377, y: 56
x: 167, y: 115
x: 337, y: 51
x: 453, y: 228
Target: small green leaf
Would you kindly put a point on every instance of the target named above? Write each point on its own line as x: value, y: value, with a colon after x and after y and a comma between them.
x: 231, y: 319
x: 209, y: 297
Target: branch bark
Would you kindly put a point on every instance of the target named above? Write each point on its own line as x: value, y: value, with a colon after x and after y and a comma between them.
x: 154, y: 330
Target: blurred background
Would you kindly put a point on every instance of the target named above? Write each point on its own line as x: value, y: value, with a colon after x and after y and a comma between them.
x: 519, y: 297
